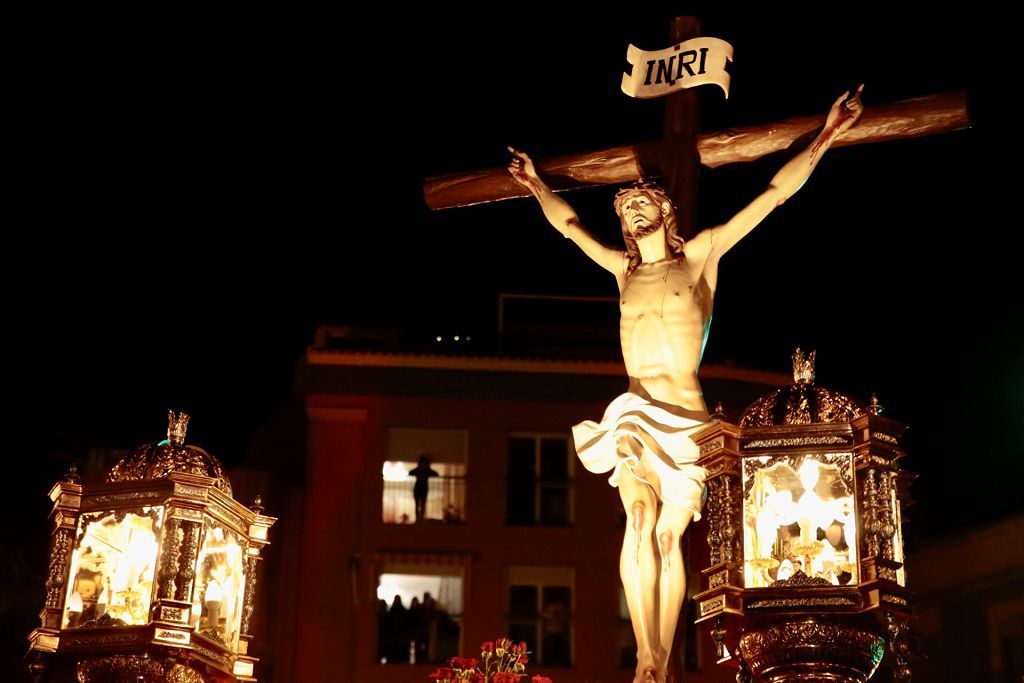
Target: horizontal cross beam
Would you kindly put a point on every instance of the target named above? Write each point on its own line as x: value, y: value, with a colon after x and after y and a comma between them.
x: 917, y: 117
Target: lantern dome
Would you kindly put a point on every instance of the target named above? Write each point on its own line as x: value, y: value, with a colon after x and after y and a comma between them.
x: 801, y: 402
x: 158, y: 459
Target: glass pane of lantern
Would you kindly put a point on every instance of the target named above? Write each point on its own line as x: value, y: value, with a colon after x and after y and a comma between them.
x: 220, y: 584
x: 798, y: 515
x: 112, y: 566
x: 897, y: 540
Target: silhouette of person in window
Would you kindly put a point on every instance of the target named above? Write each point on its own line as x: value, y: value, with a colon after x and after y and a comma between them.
x: 423, y: 473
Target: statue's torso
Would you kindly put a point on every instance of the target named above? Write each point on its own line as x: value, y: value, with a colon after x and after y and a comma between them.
x: 665, y: 316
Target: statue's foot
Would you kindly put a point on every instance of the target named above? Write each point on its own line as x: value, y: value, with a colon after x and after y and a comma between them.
x: 647, y: 672
x: 651, y: 675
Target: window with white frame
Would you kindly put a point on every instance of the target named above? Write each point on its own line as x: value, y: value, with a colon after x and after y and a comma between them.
x: 541, y: 611
x: 424, y: 476
x: 540, y: 480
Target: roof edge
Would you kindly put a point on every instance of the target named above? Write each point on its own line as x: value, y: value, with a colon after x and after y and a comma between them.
x: 316, y: 356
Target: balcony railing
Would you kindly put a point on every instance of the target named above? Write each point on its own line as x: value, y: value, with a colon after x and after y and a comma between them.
x: 446, y: 501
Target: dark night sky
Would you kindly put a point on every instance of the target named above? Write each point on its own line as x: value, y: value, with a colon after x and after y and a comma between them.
x: 196, y: 198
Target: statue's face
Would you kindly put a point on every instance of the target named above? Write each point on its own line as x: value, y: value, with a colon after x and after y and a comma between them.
x: 641, y: 215
x: 87, y: 588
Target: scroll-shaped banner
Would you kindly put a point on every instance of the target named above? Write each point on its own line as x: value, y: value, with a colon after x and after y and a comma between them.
x: 696, y: 62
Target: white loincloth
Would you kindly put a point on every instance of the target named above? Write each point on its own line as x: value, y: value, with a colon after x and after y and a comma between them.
x: 657, y: 449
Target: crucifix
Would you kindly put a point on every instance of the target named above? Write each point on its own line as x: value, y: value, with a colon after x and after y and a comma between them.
x: 666, y: 278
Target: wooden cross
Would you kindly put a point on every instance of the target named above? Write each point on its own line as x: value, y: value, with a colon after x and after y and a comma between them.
x: 675, y: 157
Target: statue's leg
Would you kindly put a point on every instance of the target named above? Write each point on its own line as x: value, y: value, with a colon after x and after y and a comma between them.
x: 672, y: 522
x: 637, y: 566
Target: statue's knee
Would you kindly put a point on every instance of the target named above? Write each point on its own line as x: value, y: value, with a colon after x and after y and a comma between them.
x: 638, y: 513
x: 665, y: 541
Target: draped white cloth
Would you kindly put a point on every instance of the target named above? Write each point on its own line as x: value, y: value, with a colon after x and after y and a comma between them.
x: 652, y: 442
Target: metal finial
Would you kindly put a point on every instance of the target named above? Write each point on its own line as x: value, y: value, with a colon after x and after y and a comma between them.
x: 257, y: 505
x: 803, y: 367
x: 719, y: 413
x: 72, y: 476
x: 876, y: 407
x: 177, y: 425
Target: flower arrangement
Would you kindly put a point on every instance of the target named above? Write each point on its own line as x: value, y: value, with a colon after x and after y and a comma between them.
x: 500, y: 661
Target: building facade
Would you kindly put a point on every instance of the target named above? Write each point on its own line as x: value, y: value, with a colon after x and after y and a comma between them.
x: 514, y: 538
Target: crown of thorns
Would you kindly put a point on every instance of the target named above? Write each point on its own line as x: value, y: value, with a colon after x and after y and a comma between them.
x: 643, y: 185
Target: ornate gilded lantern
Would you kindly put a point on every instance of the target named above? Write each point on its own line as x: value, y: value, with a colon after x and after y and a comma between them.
x: 152, y: 574
x: 806, y: 577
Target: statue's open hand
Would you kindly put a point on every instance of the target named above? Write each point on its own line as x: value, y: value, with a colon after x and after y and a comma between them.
x: 521, y: 167
x: 845, y: 113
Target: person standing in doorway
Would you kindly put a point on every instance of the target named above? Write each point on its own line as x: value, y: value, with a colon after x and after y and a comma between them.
x: 423, y: 473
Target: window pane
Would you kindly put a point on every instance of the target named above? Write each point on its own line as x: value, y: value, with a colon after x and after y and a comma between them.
x: 521, y: 495
x: 521, y: 458
x: 554, y: 460
x: 521, y: 504
x: 554, y: 505
x: 557, y: 625
x: 527, y: 632
x: 556, y: 649
x: 558, y: 596
x: 523, y: 601
x: 399, y: 503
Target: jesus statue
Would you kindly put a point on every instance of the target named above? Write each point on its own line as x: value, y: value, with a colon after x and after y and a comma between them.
x: 666, y: 289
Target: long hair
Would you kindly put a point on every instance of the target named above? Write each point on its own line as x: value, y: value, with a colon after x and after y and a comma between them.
x: 657, y: 194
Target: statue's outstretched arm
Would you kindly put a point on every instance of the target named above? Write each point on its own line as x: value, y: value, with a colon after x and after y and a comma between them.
x: 790, y: 177
x: 562, y: 216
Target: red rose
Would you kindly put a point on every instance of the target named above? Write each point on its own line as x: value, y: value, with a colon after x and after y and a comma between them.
x: 541, y: 679
x: 506, y: 677
x: 522, y: 646
x: 441, y: 675
x: 523, y: 659
x: 463, y: 662
x: 487, y: 647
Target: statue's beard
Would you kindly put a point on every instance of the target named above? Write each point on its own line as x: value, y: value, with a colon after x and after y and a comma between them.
x: 646, y: 230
